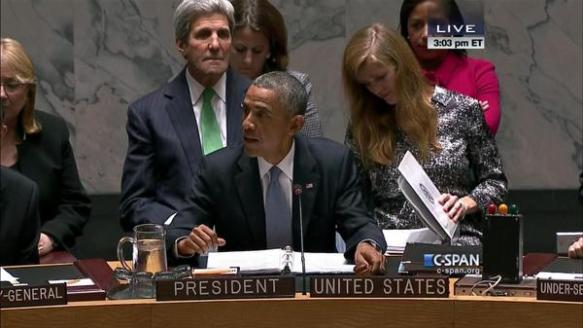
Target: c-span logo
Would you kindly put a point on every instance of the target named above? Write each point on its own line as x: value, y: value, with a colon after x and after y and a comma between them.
x: 453, y: 263
x: 428, y: 260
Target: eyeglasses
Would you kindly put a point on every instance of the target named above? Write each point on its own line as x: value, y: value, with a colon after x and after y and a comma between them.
x: 11, y: 86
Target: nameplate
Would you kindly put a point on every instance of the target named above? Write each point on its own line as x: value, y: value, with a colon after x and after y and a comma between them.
x: 398, y: 287
x: 41, y: 295
x: 559, y: 290
x: 225, y: 288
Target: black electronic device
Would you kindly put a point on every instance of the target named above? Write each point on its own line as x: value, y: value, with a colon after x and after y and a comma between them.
x: 502, y: 249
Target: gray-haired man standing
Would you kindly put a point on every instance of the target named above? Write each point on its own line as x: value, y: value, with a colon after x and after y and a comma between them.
x: 171, y: 130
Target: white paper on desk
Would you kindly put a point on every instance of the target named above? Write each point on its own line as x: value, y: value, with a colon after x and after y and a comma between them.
x: 559, y: 276
x: 322, y: 263
x: 397, y: 239
x: 421, y: 192
x: 74, y: 282
x: 270, y: 261
x: 5, y: 276
x: 264, y: 261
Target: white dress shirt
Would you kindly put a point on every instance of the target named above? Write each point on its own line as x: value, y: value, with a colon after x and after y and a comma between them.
x: 219, y: 103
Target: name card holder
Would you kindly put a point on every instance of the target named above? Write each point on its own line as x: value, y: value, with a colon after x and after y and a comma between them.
x: 225, y: 288
x: 379, y: 287
x: 39, y: 295
x: 559, y: 290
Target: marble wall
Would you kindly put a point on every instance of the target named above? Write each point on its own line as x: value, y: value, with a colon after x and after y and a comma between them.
x: 94, y: 57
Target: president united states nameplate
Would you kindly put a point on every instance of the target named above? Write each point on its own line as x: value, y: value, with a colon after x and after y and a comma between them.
x: 225, y: 288
x: 398, y: 287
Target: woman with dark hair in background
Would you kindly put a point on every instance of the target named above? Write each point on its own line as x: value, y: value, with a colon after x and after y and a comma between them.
x: 450, y: 69
x: 394, y: 110
x: 37, y: 145
x: 260, y: 46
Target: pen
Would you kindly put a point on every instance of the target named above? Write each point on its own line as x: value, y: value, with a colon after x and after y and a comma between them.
x: 215, y: 271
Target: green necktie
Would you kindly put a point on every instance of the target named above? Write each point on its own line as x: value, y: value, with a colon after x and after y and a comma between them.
x: 211, y: 133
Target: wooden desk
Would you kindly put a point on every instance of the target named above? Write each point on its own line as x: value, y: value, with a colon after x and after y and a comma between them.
x: 457, y: 311
x: 302, y: 311
x: 57, y: 257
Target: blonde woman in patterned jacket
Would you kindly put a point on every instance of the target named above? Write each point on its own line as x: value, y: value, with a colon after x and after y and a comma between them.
x: 394, y: 110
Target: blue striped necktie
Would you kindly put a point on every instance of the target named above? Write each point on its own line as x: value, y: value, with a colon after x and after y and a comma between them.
x: 278, y: 220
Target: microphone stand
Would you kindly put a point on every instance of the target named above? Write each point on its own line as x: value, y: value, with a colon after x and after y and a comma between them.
x: 298, y: 192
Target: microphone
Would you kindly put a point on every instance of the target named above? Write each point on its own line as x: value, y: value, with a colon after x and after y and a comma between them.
x: 298, y: 192
x: 287, y: 260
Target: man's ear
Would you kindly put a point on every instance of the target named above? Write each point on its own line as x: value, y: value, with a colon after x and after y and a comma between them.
x: 297, y: 124
x: 180, y: 47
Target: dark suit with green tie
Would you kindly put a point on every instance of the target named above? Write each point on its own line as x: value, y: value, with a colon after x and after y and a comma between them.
x: 165, y: 150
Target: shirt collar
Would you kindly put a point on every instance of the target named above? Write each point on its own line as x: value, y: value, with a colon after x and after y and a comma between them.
x: 439, y: 95
x: 286, y: 165
x: 196, y: 88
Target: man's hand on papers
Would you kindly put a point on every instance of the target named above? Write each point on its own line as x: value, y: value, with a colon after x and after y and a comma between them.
x: 368, y: 259
x: 200, y: 240
x: 456, y: 208
x: 576, y: 249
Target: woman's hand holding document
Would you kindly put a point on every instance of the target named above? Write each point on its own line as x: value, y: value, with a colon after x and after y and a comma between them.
x: 457, y: 208
x: 427, y: 200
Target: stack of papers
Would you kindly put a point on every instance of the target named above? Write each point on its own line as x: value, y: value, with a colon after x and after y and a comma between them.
x: 559, y: 276
x: 74, y: 282
x: 5, y: 276
x: 270, y: 261
x: 397, y: 239
x: 563, y: 268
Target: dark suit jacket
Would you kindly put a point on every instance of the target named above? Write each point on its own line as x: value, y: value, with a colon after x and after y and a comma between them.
x: 164, y: 149
x: 581, y: 188
x: 19, y: 219
x: 227, y: 193
x: 47, y: 158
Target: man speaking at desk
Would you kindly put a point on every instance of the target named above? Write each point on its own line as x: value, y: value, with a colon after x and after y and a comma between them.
x: 252, y: 193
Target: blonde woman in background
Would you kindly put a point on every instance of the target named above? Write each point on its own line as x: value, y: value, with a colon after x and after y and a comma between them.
x: 36, y: 144
x: 393, y: 110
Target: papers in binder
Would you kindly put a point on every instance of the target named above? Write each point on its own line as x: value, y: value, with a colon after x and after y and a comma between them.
x: 397, y: 239
x: 275, y: 261
x: 422, y: 194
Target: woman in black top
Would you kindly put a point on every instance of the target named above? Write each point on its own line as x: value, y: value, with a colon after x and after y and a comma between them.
x: 37, y: 145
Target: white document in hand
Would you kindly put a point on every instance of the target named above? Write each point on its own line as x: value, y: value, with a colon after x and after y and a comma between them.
x: 270, y: 261
x: 422, y: 194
